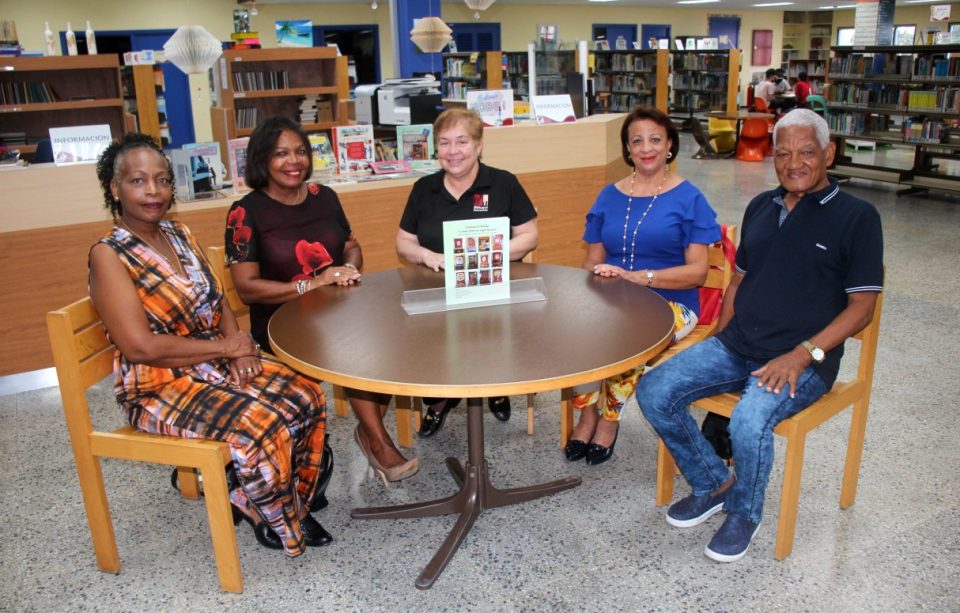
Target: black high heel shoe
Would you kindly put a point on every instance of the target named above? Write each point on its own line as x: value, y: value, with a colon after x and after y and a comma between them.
x: 576, y: 450
x: 313, y: 533
x: 500, y: 407
x: 432, y: 422
x: 264, y: 533
x: 598, y: 454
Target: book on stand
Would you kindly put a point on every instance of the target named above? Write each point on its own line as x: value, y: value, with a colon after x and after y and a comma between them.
x: 324, y: 160
x: 415, y: 145
x: 237, y: 155
x: 354, y: 148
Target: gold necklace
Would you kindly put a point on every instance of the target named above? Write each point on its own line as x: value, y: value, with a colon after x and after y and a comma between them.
x: 297, y: 199
x: 626, y: 221
x: 176, y: 266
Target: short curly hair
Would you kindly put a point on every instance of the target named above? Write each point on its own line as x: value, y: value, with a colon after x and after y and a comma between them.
x: 108, y: 165
x: 262, y: 143
x: 658, y: 117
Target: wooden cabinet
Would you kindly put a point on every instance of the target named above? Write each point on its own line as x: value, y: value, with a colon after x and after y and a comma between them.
x: 253, y: 84
x: 39, y: 93
x: 470, y: 71
x: 143, y: 95
x: 624, y: 79
x: 897, y: 95
x: 705, y: 81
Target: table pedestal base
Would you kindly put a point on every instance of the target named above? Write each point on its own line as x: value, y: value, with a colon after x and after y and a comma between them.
x: 476, y: 494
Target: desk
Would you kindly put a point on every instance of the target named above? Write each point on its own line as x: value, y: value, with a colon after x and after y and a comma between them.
x: 587, y: 329
x: 739, y: 116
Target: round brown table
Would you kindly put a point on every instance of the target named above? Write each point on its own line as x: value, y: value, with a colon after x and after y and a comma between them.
x: 588, y: 328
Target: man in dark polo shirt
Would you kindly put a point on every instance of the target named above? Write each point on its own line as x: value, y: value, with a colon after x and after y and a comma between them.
x: 808, y: 271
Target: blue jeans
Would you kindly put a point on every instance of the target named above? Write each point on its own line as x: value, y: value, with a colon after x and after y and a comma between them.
x: 709, y: 368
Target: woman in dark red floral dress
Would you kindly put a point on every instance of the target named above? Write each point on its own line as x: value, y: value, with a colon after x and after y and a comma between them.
x: 288, y: 237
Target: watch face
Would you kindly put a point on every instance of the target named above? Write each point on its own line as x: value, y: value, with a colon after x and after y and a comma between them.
x: 818, y: 354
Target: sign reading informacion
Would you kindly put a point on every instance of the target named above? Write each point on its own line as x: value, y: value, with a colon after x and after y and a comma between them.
x: 477, y: 260
x: 79, y: 144
x: 554, y: 109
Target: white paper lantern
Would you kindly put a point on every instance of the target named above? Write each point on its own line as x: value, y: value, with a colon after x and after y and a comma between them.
x: 431, y: 34
x: 192, y: 49
x: 479, y: 5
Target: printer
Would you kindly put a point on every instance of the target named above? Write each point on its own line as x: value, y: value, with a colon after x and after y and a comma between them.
x: 398, y: 102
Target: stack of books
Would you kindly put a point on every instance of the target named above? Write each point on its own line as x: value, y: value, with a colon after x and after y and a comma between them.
x: 244, y: 40
x: 308, y: 109
x: 13, y: 138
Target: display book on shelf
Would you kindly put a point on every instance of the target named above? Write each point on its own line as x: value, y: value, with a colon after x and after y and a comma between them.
x: 470, y: 70
x: 705, y: 81
x: 37, y: 93
x: 869, y: 86
x: 624, y: 79
x: 309, y: 85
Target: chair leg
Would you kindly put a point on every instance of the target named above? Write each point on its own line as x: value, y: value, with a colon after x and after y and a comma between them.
x: 405, y: 417
x: 530, y: 398
x: 851, y: 469
x: 790, y: 498
x: 666, y: 469
x: 222, y: 531
x: 341, y: 406
x: 189, y: 482
x: 98, y: 513
x: 566, y: 415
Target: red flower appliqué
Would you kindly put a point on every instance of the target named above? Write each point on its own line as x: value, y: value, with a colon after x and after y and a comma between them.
x: 312, y: 256
x: 314, y: 188
x: 241, y: 234
x: 236, y: 217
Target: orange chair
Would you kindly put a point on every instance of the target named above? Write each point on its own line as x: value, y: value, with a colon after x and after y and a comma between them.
x: 760, y: 105
x: 754, y: 140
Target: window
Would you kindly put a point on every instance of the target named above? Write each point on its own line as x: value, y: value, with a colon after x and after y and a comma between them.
x: 904, y: 35
x: 845, y: 37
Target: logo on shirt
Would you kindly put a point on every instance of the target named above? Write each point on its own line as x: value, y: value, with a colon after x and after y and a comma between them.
x: 481, y: 203
x: 819, y: 246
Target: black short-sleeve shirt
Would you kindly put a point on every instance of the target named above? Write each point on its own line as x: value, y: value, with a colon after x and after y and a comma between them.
x: 494, y: 193
x: 797, y: 275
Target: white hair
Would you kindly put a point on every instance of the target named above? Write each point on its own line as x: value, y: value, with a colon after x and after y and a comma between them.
x: 804, y: 118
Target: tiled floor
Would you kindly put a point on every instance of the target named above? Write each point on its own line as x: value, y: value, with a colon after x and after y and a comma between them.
x: 602, y: 546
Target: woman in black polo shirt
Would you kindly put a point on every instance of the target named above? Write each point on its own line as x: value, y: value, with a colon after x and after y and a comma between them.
x: 463, y: 189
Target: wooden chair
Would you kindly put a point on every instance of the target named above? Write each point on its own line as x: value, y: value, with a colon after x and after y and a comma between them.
x: 341, y: 406
x: 718, y: 277
x: 855, y: 393
x: 83, y: 356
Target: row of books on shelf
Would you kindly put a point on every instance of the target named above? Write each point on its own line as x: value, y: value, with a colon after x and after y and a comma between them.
x: 632, y: 83
x: 313, y: 109
x: 246, y: 118
x: 937, y: 67
x: 458, y: 68
x: 257, y: 80
x: 456, y: 90
x: 515, y: 64
x: 884, y: 66
x: 813, y: 69
x: 700, y: 62
x: 879, y: 97
x: 519, y: 85
x: 555, y: 63
x: 700, y: 81
x: 627, y: 62
x: 26, y: 92
x: 620, y: 103
x: 925, y: 131
x: 551, y: 85
x: 696, y: 101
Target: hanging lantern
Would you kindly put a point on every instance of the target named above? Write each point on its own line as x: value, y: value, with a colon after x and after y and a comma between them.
x: 478, y: 5
x: 192, y: 49
x: 430, y: 34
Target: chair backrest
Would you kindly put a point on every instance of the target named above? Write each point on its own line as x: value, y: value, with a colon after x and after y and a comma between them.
x: 755, y: 127
x: 83, y: 355
x: 817, y: 103
x: 761, y: 105
x: 720, y: 272
x: 716, y: 125
x: 869, y: 338
x: 218, y: 262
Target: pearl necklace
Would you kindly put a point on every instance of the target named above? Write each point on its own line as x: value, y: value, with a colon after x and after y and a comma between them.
x: 177, y: 267
x: 626, y: 221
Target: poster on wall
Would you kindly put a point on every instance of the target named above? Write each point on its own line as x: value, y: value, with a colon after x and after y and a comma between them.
x: 940, y: 12
x: 477, y: 258
x: 294, y: 33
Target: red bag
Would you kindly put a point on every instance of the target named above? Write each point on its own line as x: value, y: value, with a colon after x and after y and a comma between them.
x: 711, y: 299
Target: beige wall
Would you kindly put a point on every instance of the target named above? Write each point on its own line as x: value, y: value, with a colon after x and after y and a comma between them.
x: 902, y: 16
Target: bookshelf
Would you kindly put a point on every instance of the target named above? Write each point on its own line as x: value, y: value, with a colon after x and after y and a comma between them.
x: 469, y: 71
x: 143, y: 96
x: 516, y: 69
x: 705, y: 81
x: 551, y: 69
x: 808, y: 35
x: 253, y: 84
x: 898, y: 95
x: 624, y: 79
x: 37, y: 93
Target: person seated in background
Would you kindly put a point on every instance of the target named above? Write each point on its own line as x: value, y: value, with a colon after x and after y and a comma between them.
x: 802, y: 89
x: 651, y: 228
x: 288, y: 237
x: 766, y: 90
x: 463, y: 188
x: 184, y: 368
x: 808, y: 271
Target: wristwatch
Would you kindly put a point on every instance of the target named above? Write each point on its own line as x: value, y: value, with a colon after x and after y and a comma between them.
x: 816, y: 353
x: 649, y: 277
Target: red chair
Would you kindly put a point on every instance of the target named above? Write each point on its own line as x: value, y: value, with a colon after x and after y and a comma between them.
x: 760, y: 105
x: 754, y: 140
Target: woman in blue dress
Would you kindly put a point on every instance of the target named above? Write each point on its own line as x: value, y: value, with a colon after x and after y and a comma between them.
x: 651, y: 228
